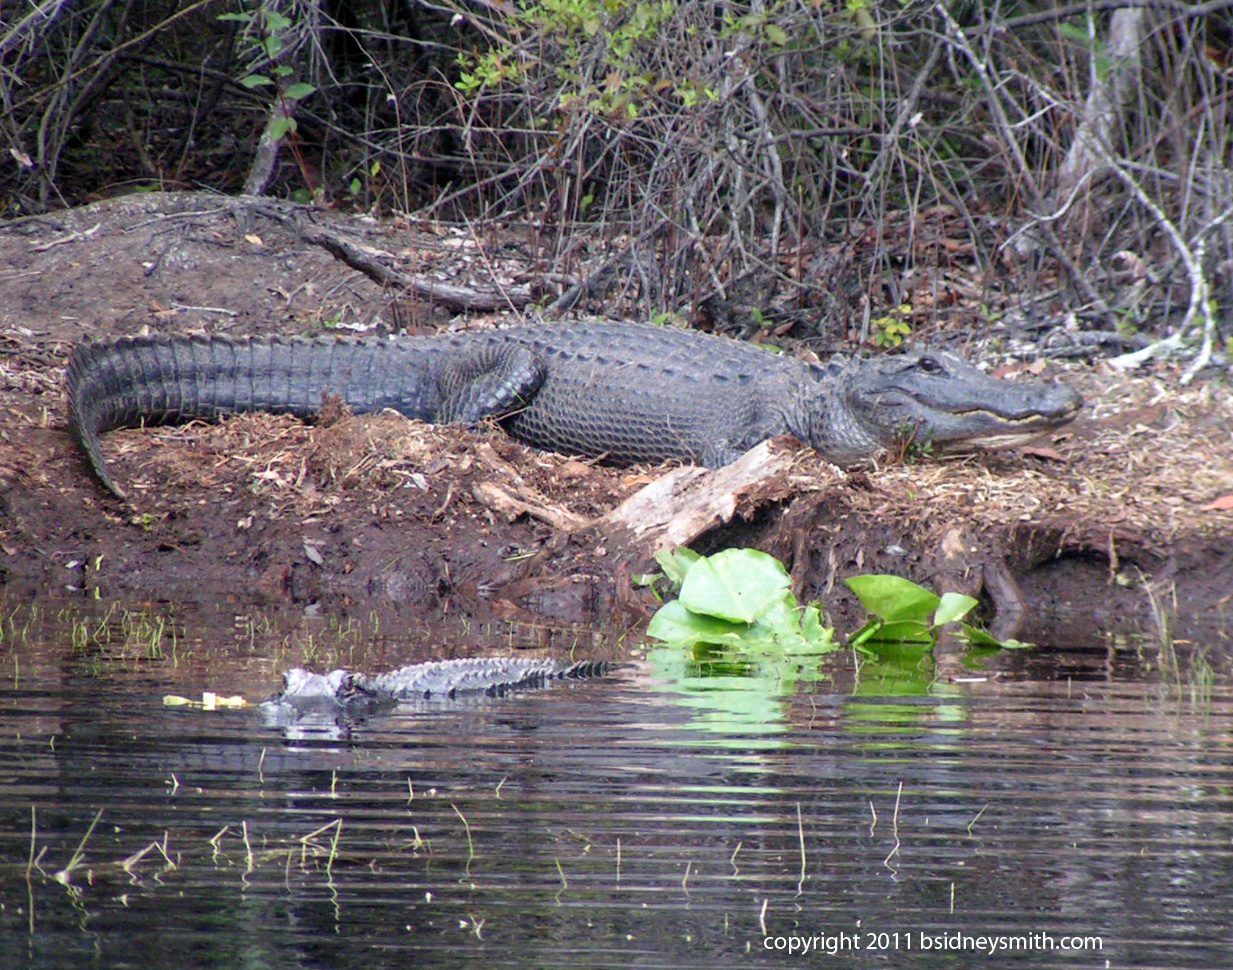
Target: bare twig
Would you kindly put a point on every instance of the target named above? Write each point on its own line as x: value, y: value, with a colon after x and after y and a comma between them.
x: 372, y: 263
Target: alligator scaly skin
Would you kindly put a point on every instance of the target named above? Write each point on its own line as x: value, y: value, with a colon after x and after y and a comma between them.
x: 351, y: 694
x: 620, y: 391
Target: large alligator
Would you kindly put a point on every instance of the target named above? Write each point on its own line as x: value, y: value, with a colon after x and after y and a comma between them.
x: 346, y: 695
x: 622, y: 392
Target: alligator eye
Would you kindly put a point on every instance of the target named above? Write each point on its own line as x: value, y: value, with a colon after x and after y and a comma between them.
x: 930, y: 365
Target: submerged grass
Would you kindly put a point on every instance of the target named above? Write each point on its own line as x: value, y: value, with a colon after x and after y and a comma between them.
x: 308, y: 843
x: 15, y: 626
x: 470, y: 842
x: 77, y: 859
x: 124, y: 633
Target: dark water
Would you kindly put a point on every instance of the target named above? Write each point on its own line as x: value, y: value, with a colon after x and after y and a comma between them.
x: 678, y: 814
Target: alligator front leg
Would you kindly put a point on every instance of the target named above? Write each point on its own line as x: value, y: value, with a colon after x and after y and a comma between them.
x: 488, y: 382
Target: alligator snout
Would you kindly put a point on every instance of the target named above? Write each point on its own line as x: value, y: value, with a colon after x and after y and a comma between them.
x: 1053, y: 404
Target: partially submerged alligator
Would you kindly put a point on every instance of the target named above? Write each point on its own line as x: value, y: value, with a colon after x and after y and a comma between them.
x: 623, y: 392
x: 344, y: 695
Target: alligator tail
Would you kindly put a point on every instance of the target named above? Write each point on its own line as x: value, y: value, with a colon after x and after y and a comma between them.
x: 543, y: 676
x: 136, y: 381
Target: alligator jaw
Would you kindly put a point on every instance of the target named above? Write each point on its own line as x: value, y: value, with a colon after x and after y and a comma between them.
x: 992, y: 442
x: 941, y: 400
x: 1014, y: 429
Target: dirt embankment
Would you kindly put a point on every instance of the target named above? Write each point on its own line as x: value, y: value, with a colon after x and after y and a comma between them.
x: 1133, y: 499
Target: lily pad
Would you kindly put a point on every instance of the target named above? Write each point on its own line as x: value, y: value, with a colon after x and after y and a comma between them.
x: 736, y: 584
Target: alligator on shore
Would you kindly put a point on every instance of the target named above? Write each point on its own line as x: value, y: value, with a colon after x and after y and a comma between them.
x: 624, y: 393
x: 346, y: 695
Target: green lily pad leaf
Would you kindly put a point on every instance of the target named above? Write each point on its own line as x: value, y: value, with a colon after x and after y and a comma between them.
x: 676, y: 564
x: 954, y: 606
x: 736, y: 584
x: 893, y: 598
x: 814, y: 631
x: 901, y: 631
x: 977, y: 637
x: 674, y: 623
x: 786, y: 630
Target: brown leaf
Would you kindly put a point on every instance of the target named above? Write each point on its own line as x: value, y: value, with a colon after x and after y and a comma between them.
x: 1222, y: 504
x: 637, y: 481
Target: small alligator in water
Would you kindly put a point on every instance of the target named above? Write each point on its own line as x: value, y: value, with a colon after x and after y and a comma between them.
x: 345, y: 695
x: 622, y: 392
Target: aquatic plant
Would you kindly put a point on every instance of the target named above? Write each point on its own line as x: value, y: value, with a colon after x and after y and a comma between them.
x: 903, y: 612
x: 736, y: 597
x: 744, y: 597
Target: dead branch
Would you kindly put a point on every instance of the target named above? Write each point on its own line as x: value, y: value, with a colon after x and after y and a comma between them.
x: 375, y: 264
x: 1106, y: 98
x: 677, y: 508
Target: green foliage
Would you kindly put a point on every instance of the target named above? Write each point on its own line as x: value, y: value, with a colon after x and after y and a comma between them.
x: 1081, y: 37
x: 756, y: 25
x: 911, y: 445
x: 737, y: 597
x: 903, y: 612
x: 743, y: 598
x: 298, y: 91
x: 889, y: 331
x: 487, y: 70
x: 622, y: 31
x: 371, y: 174
x: 271, y: 27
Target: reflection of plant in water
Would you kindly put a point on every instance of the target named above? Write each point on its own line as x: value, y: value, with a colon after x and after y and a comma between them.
x: 747, y: 643
x: 734, y: 691
x: 741, y: 691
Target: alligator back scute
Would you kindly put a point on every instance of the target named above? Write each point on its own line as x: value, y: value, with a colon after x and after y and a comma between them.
x: 494, y: 676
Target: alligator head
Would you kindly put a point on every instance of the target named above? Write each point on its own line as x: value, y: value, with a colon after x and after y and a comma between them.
x: 340, y: 693
x: 937, y: 399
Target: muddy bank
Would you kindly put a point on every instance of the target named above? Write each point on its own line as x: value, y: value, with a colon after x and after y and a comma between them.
x: 1128, y: 505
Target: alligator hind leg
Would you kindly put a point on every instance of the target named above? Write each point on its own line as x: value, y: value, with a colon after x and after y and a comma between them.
x: 488, y: 382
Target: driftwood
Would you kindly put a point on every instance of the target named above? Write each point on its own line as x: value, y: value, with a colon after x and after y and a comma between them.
x: 671, y: 511
x: 677, y: 508
x: 377, y: 265
x: 369, y: 261
x: 513, y: 497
